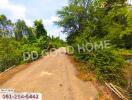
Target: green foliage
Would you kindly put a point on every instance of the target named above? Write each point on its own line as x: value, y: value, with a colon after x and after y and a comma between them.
x: 10, y: 53
x: 105, y: 63
x: 120, y: 29
x: 31, y: 34
x: 56, y: 43
x: 29, y: 48
x: 90, y: 21
x: 5, y: 27
x: 21, y: 29
x: 39, y: 29
x: 109, y: 19
x: 73, y: 18
x: 109, y: 66
x: 25, y: 40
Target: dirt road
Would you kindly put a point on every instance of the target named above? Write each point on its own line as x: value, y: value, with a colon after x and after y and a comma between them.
x: 55, y: 77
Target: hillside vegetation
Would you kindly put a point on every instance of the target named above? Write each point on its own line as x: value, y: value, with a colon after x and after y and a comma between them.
x: 90, y: 21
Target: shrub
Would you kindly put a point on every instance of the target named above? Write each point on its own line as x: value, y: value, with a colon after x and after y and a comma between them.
x: 107, y: 65
x: 10, y: 54
x: 28, y: 48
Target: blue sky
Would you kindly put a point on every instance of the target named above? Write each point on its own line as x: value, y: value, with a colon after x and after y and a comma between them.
x: 30, y: 10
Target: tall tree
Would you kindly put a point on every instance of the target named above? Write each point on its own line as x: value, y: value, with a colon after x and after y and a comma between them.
x: 73, y: 18
x: 6, y: 27
x: 31, y: 33
x: 39, y: 29
x: 21, y: 29
x: 99, y: 19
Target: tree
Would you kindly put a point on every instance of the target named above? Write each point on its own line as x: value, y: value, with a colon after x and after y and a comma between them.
x: 31, y: 33
x: 73, y: 18
x: 118, y: 24
x: 100, y: 19
x: 6, y: 27
x: 39, y: 29
x: 21, y: 29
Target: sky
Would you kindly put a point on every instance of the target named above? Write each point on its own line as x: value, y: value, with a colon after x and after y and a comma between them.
x: 30, y: 10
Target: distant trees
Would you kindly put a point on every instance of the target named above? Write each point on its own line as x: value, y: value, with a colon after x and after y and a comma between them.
x: 39, y: 29
x: 18, y: 38
x: 21, y: 29
x: 74, y: 18
x: 6, y: 27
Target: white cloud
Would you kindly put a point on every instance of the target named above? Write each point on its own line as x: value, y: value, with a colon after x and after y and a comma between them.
x: 57, y: 33
x: 17, y: 11
x: 130, y: 1
x: 29, y: 22
x: 52, y: 30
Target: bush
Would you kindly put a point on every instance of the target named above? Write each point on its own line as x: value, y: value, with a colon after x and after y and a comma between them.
x: 10, y: 54
x: 11, y: 51
x: 28, y: 48
x: 107, y: 65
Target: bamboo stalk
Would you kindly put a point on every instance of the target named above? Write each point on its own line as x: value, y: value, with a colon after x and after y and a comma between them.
x: 113, y: 90
x: 116, y: 91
